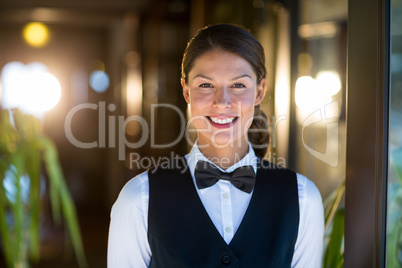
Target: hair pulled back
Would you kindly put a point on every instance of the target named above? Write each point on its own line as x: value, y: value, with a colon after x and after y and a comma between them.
x: 237, y: 40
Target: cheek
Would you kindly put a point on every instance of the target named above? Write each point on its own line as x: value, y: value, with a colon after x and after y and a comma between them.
x: 249, y: 117
x: 247, y: 104
x: 247, y: 110
x: 198, y: 103
x: 197, y: 108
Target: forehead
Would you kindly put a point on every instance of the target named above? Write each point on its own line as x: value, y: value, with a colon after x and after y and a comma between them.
x: 222, y: 62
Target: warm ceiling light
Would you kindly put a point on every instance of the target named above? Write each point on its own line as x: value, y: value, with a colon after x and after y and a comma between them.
x: 318, y: 30
x: 29, y: 87
x: 36, y: 34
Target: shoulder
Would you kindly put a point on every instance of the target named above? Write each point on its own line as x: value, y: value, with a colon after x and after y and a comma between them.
x: 310, y: 201
x: 307, y: 189
x: 135, y: 186
x: 127, y: 243
x: 265, y: 165
x: 277, y: 173
x: 134, y: 194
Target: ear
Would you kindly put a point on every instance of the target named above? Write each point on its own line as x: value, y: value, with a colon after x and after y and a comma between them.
x: 260, y: 92
x: 186, y: 90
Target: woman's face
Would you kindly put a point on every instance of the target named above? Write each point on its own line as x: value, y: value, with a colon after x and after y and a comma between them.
x: 222, y: 91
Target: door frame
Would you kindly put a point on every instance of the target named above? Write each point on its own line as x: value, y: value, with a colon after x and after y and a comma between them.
x: 367, y: 133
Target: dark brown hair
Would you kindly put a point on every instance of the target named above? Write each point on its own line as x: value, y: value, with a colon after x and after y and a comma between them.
x: 237, y: 40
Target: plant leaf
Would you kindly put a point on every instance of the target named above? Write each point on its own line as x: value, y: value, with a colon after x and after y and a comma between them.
x: 22, y: 147
x: 4, y: 231
x: 32, y: 162
x: 18, y: 205
x: 56, y: 179
x: 334, y: 204
x: 334, y: 255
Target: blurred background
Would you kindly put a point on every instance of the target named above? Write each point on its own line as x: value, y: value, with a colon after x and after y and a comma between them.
x: 107, y: 63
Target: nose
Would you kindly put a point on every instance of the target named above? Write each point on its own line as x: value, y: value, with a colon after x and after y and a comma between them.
x: 222, y: 99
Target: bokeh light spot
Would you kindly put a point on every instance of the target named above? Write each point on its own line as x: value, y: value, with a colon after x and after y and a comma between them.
x: 45, y: 92
x: 29, y: 87
x: 316, y: 92
x: 99, y: 81
x: 36, y: 34
x: 329, y: 81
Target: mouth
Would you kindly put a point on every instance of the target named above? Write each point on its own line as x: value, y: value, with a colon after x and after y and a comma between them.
x: 222, y: 122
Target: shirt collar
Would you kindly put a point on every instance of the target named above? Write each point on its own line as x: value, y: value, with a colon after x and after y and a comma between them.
x: 250, y: 159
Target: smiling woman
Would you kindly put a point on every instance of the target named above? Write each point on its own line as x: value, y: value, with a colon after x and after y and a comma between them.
x: 222, y: 204
x: 222, y: 91
x: 229, y: 40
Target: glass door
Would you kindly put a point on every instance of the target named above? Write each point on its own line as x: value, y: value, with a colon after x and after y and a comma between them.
x: 394, y: 208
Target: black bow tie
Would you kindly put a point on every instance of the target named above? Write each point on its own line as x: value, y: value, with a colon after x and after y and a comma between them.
x: 207, y: 174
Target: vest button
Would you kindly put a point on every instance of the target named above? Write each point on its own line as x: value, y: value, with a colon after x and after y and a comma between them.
x: 226, y: 259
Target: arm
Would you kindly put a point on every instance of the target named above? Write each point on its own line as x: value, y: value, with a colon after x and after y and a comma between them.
x: 128, y: 242
x: 309, y: 243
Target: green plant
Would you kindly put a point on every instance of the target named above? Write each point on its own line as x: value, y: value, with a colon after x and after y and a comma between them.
x: 334, y: 229
x: 23, y: 149
x: 335, y: 217
x: 394, y: 219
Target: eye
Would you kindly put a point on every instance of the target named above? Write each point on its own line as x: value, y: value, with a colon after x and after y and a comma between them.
x: 238, y: 85
x: 205, y: 85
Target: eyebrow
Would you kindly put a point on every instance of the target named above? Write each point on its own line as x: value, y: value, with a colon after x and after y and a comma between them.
x: 235, y: 78
x: 241, y: 76
x: 202, y: 76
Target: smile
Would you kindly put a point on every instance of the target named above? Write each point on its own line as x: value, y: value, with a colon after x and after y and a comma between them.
x: 222, y: 121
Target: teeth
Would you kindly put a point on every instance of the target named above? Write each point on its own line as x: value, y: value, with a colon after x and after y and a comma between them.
x: 222, y: 121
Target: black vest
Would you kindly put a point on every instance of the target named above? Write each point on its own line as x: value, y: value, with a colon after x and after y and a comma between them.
x: 181, y: 234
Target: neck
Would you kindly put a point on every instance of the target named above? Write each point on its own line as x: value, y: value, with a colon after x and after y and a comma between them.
x: 226, y: 156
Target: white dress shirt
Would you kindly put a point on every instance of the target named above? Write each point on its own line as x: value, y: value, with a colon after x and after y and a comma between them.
x: 128, y: 242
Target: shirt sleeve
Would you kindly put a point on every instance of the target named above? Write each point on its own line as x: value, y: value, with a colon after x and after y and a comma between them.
x: 309, y: 243
x: 128, y: 241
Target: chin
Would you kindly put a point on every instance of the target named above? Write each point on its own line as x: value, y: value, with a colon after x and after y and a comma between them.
x: 225, y: 139
x: 219, y: 140
x: 222, y: 142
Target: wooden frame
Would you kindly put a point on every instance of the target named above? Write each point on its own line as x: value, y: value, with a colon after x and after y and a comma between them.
x: 367, y: 133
